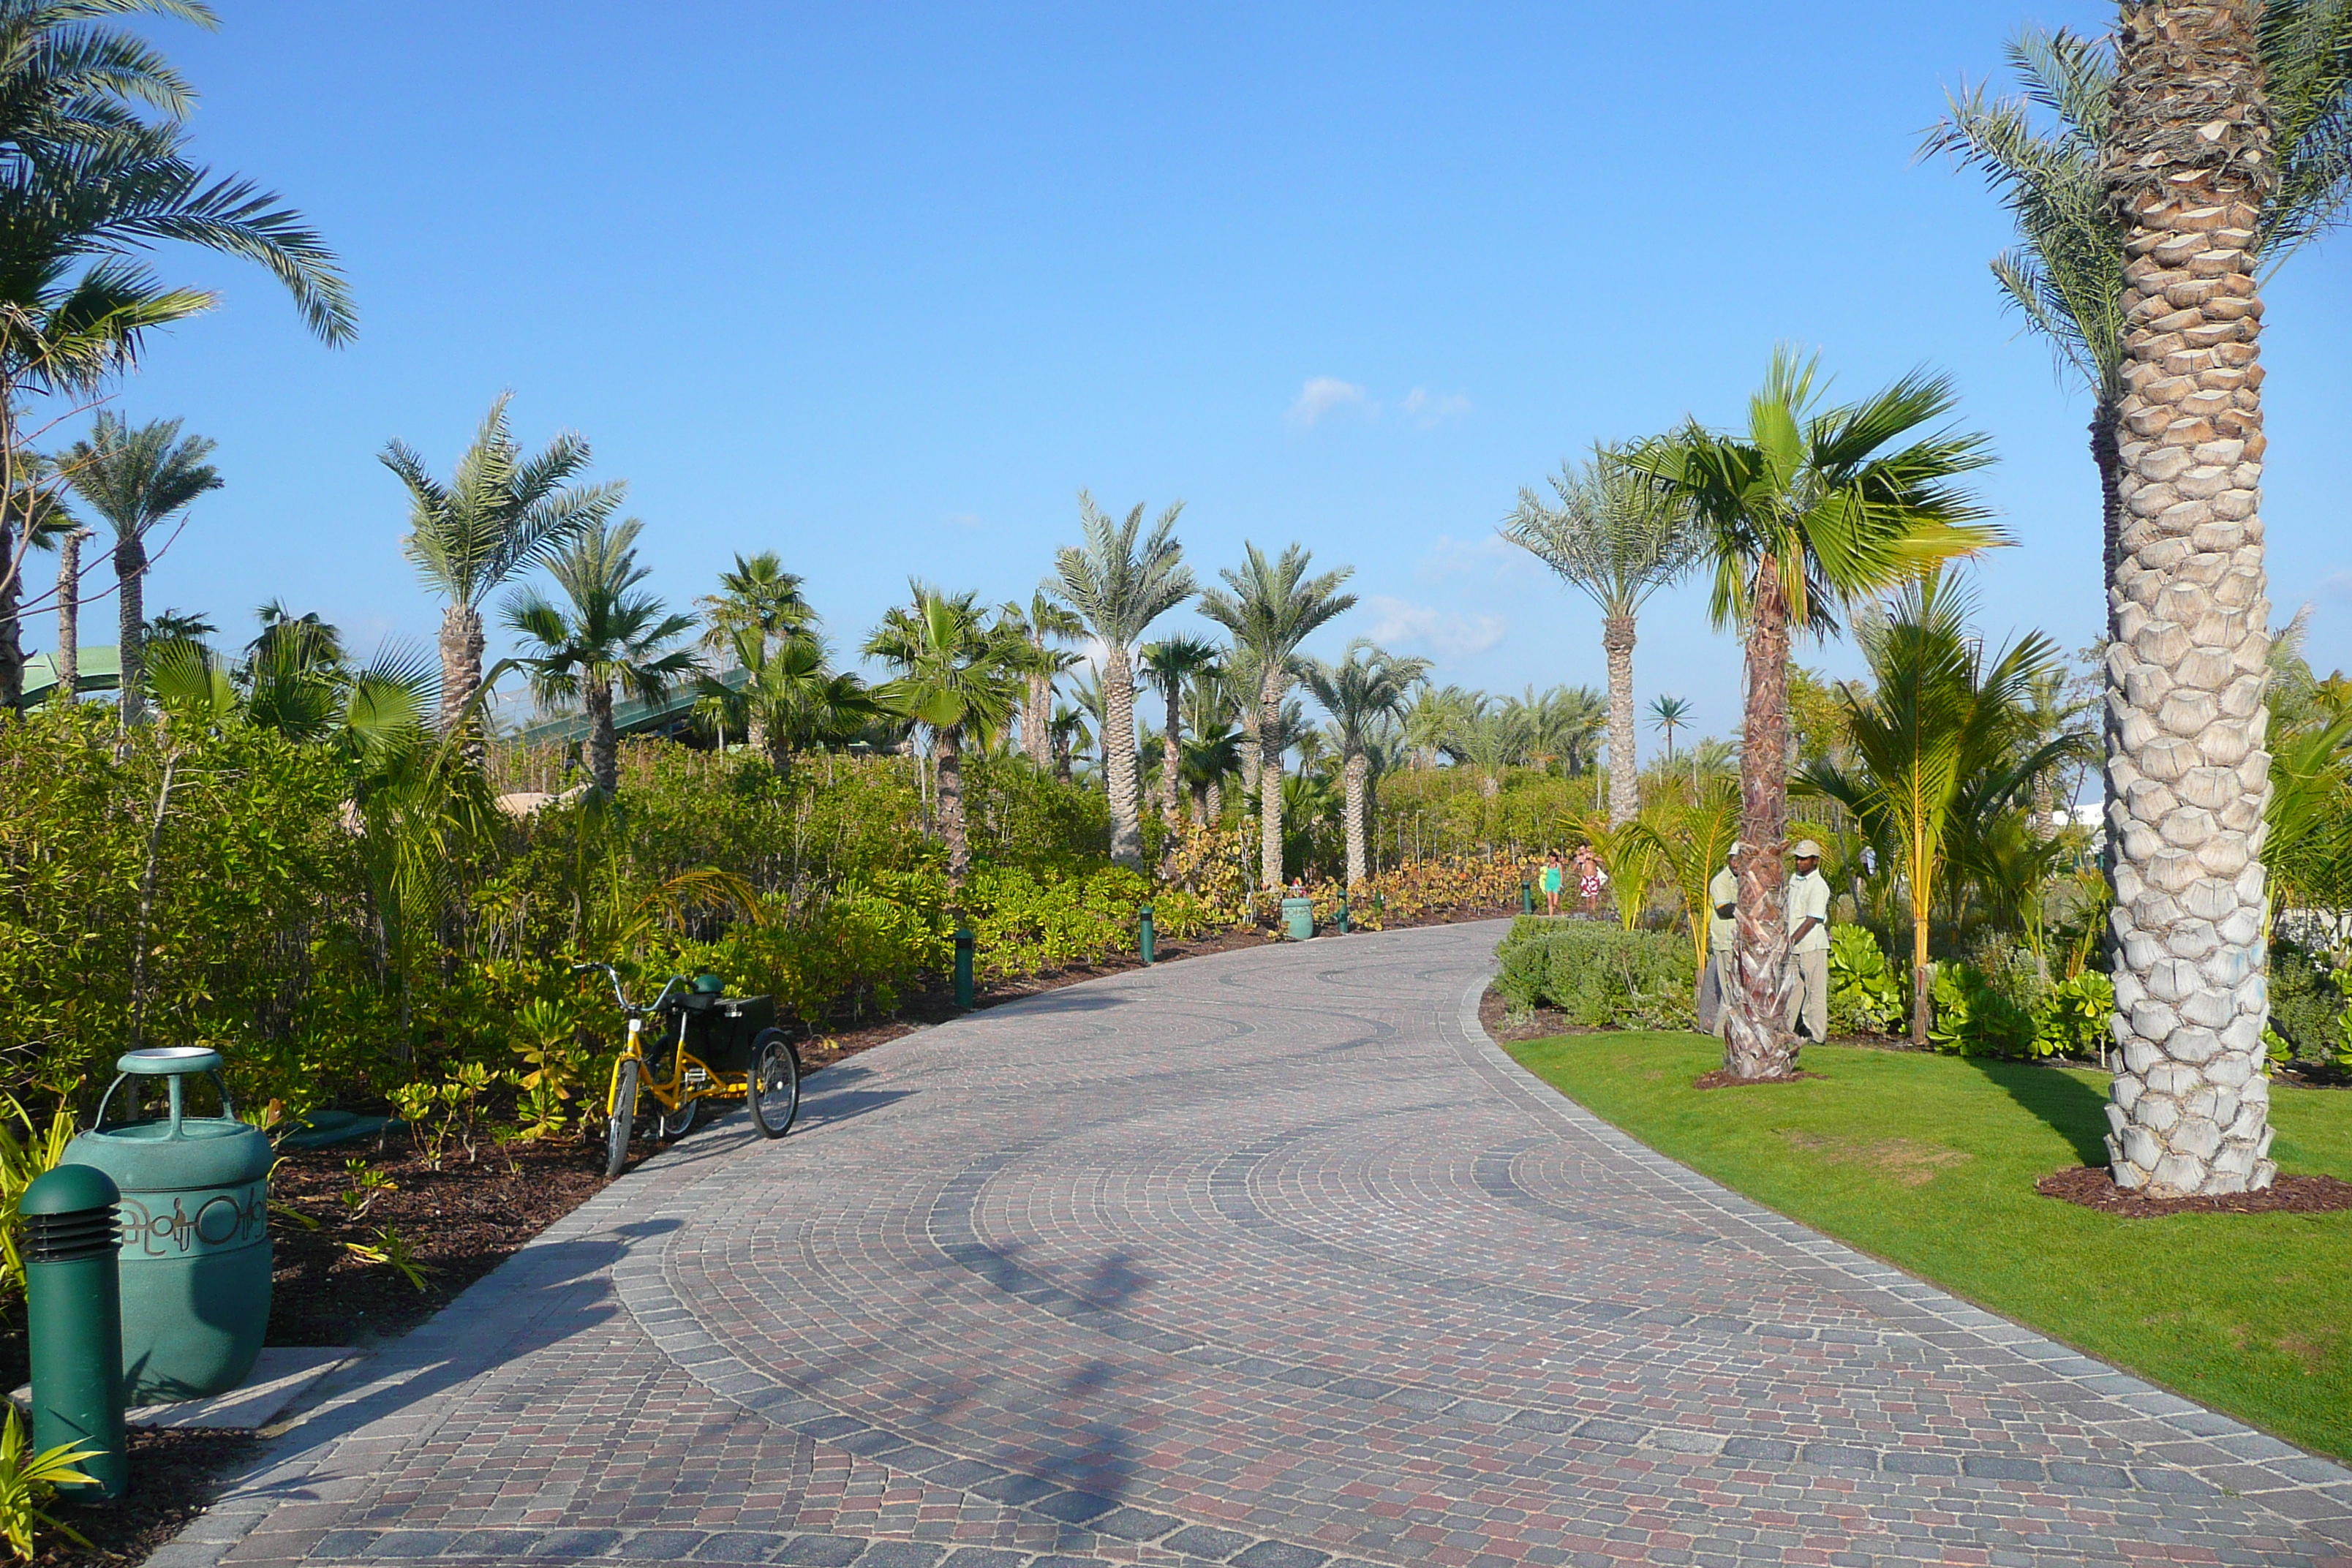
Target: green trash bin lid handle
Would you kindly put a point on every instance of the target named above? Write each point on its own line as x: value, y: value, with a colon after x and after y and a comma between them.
x: 156, y: 1061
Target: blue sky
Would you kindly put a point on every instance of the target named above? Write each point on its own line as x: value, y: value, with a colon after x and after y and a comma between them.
x: 880, y: 287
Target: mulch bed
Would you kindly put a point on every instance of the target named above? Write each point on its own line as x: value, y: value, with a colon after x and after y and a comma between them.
x: 2091, y: 1186
x: 174, y: 1475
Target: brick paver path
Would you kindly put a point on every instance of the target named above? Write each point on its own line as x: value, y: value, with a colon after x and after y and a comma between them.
x: 1268, y: 1259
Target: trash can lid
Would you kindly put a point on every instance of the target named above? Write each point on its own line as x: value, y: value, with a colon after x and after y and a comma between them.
x: 70, y: 1189
x: 169, y: 1060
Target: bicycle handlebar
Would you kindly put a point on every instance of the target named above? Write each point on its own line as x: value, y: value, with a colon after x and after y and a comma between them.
x: 620, y: 996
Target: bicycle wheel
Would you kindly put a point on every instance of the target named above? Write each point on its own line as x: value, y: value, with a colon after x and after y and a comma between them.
x: 624, y: 1116
x: 773, y: 1084
x: 679, y: 1122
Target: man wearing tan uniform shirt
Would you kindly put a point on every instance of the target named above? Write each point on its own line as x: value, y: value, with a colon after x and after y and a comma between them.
x: 1809, y: 942
x: 1722, y: 927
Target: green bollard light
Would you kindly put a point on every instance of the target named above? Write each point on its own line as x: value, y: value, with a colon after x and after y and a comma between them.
x: 1143, y: 932
x: 964, y: 942
x: 1526, y: 899
x: 73, y: 1311
x: 1343, y: 914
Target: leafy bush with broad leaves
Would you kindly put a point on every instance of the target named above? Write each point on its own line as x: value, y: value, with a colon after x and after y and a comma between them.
x: 1973, y: 1018
x: 2309, y: 1002
x: 2073, y: 1018
x: 1866, y: 994
x: 1600, y: 977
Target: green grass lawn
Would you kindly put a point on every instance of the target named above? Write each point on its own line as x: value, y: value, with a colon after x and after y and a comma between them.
x: 1929, y: 1162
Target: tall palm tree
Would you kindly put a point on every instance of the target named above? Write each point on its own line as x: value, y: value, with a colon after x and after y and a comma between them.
x: 1806, y: 508
x: 96, y: 171
x: 135, y: 480
x: 1119, y: 586
x: 953, y: 679
x: 791, y: 698
x: 1669, y: 714
x: 758, y: 594
x: 1270, y: 607
x: 1172, y: 663
x: 1943, y: 734
x: 1365, y: 691
x: 2190, y: 158
x: 1043, y: 621
x: 69, y: 655
x: 1487, y: 739
x: 610, y: 635
x: 499, y: 515
x: 1620, y: 538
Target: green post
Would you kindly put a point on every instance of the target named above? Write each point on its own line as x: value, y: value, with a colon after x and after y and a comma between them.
x: 963, y: 943
x: 1343, y: 914
x: 73, y: 1310
x: 1143, y: 932
x: 1527, y: 897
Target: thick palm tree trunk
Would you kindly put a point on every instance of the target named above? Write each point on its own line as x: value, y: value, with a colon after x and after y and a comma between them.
x: 1357, y: 773
x: 1269, y: 787
x: 1757, y: 1043
x: 1172, y: 766
x: 461, y: 661
x: 12, y: 646
x: 1037, y: 716
x: 1119, y: 760
x: 69, y: 659
x: 130, y: 604
x: 1624, y: 774
x: 947, y: 757
x: 604, y: 744
x: 2189, y: 159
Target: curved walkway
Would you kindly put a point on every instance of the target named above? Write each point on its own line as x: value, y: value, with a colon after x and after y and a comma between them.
x: 1269, y: 1259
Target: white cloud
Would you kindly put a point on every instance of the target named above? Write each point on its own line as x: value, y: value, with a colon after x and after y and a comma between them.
x: 1489, y: 557
x: 1429, y: 411
x: 1440, y: 631
x: 1328, y: 394
x: 962, y: 520
x: 2337, y: 586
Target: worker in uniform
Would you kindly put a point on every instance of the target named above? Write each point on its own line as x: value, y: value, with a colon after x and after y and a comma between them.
x: 1809, y: 943
x: 1722, y: 927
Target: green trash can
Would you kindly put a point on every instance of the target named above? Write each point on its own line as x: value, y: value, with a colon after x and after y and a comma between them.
x: 1299, y: 919
x: 196, y: 1227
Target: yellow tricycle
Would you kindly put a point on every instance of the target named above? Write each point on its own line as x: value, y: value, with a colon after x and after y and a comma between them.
x: 696, y: 1043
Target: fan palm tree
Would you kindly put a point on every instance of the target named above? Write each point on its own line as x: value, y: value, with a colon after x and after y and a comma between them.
x: 792, y: 698
x: 1810, y: 505
x: 953, y: 679
x: 2190, y: 158
x: 1620, y: 538
x: 1210, y: 757
x: 1669, y: 714
x: 1270, y: 607
x: 1367, y: 689
x: 1173, y: 663
x: 96, y: 171
x: 499, y: 515
x: 1942, y: 736
x: 758, y: 595
x: 136, y: 481
x: 610, y: 635
x: 1119, y: 581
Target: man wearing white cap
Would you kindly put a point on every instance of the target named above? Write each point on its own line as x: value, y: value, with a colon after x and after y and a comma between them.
x: 1722, y: 927
x: 1809, y: 942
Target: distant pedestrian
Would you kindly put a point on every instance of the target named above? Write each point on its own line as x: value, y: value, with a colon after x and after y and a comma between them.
x: 1551, y: 883
x: 1722, y: 930
x: 1809, y: 942
x: 1589, y: 878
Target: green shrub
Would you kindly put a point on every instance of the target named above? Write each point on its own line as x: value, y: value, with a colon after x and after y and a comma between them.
x: 1600, y: 977
x: 1973, y: 1018
x: 2073, y: 1018
x: 2308, y: 1004
x: 1864, y: 992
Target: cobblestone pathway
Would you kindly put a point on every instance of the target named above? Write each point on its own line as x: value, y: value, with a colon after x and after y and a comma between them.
x: 1267, y: 1259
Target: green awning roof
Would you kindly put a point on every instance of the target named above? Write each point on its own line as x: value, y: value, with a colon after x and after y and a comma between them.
x: 102, y: 670
x: 630, y: 717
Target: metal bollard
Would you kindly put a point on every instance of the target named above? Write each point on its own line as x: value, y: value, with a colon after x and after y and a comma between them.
x: 964, y: 942
x: 1143, y: 932
x: 1527, y: 897
x: 73, y: 1310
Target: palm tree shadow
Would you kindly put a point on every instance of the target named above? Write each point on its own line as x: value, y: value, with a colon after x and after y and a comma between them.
x: 2062, y: 1103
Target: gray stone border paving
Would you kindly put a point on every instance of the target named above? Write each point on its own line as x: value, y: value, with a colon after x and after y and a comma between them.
x: 2190, y: 1448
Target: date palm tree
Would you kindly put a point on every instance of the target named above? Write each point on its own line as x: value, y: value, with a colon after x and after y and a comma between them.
x: 2190, y: 158
x: 1669, y: 714
x: 91, y: 118
x: 1043, y: 621
x: 1619, y: 537
x: 791, y: 698
x: 1811, y: 506
x: 498, y: 516
x: 1365, y: 693
x: 609, y: 635
x: 136, y: 481
x: 953, y: 679
x: 1119, y: 581
x: 1172, y: 663
x: 1270, y: 607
